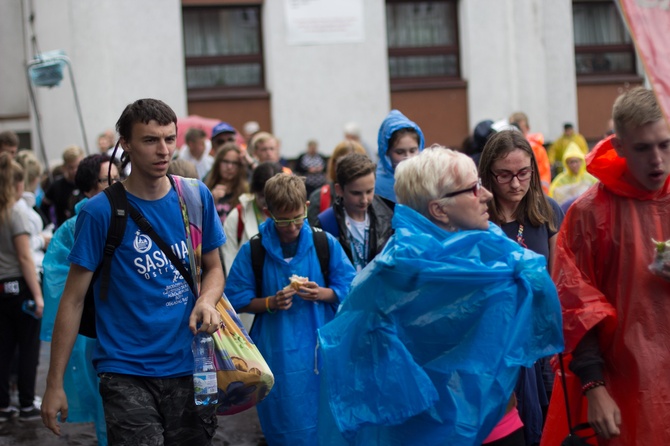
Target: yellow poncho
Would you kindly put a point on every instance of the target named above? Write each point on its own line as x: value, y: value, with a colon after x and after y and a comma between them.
x: 568, y: 186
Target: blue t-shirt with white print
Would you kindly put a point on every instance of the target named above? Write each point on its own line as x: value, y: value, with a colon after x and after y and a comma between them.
x: 142, y: 326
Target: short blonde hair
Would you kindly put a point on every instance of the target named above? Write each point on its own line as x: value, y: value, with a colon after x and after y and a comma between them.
x: 72, y: 153
x: 518, y: 117
x: 342, y: 149
x: 258, y: 138
x: 31, y: 167
x: 430, y: 175
x: 635, y: 108
x: 285, y: 193
x: 183, y: 168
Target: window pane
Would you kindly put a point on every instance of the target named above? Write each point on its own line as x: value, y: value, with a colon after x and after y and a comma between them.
x: 421, y: 66
x: 237, y: 75
x: 420, y: 24
x: 220, y: 32
x: 605, y: 63
x: 598, y: 24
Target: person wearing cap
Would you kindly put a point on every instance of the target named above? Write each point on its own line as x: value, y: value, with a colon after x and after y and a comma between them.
x: 557, y: 149
x: 480, y: 134
x: 221, y: 134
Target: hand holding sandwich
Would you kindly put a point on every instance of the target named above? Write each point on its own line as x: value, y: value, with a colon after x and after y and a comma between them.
x: 310, y: 291
x: 283, y: 300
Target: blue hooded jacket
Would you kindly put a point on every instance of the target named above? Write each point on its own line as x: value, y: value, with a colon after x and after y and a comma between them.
x: 80, y: 380
x: 287, y: 339
x: 426, y: 349
x: 385, y: 181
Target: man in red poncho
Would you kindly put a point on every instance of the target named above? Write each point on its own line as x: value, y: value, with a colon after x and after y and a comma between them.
x: 615, y: 309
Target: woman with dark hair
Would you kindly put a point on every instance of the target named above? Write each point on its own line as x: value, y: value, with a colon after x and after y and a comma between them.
x: 18, y: 287
x: 228, y: 179
x: 508, y: 168
x: 243, y: 220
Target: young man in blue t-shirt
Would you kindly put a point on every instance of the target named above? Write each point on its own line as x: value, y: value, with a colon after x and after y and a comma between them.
x: 145, y: 325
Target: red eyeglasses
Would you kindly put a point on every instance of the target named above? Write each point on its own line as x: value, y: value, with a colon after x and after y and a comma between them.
x: 474, y: 189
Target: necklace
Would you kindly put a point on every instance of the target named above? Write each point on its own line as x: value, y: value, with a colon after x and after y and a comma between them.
x: 519, y: 237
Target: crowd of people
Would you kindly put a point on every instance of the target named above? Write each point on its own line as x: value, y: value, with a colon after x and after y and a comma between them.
x: 436, y: 286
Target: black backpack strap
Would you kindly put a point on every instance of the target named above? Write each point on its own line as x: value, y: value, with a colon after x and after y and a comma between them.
x: 146, y: 227
x: 257, y: 261
x: 322, y: 252
x: 258, y: 257
x: 116, y: 194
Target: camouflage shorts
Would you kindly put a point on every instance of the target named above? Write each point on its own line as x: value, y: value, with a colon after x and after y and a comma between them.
x: 154, y: 411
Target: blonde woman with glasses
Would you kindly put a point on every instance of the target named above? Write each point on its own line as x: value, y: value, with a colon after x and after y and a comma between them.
x: 427, y: 347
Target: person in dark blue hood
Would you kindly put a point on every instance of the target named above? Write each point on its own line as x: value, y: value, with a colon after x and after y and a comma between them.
x: 398, y: 139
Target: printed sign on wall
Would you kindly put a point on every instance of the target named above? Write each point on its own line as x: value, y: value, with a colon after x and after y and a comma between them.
x: 317, y: 22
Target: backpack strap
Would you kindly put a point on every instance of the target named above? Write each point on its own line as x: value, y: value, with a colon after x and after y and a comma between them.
x: 322, y: 252
x: 146, y: 227
x: 192, y: 214
x: 116, y: 194
x: 240, y: 223
x: 257, y: 261
x: 258, y: 257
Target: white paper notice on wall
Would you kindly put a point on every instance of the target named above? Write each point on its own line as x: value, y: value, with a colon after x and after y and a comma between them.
x: 317, y: 22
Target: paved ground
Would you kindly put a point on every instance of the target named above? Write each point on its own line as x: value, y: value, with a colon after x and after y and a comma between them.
x: 238, y: 430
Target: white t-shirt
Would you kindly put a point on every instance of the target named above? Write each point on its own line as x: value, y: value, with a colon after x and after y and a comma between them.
x: 202, y: 165
x: 359, y: 237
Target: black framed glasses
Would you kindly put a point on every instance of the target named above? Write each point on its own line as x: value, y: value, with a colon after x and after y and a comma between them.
x: 286, y: 223
x: 507, y: 177
x: 474, y: 189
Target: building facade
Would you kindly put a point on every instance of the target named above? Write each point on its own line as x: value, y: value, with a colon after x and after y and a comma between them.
x: 303, y: 69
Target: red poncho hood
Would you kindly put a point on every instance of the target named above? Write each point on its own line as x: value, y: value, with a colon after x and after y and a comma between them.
x: 605, y: 164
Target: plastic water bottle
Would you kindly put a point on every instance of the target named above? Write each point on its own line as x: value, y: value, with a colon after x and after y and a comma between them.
x: 204, y: 375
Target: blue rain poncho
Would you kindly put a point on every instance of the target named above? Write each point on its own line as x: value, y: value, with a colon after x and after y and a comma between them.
x: 427, y: 347
x: 394, y: 121
x: 80, y: 380
x: 287, y: 339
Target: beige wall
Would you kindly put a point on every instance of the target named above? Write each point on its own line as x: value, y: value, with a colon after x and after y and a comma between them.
x: 594, y: 104
x: 442, y: 114
x: 235, y: 111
